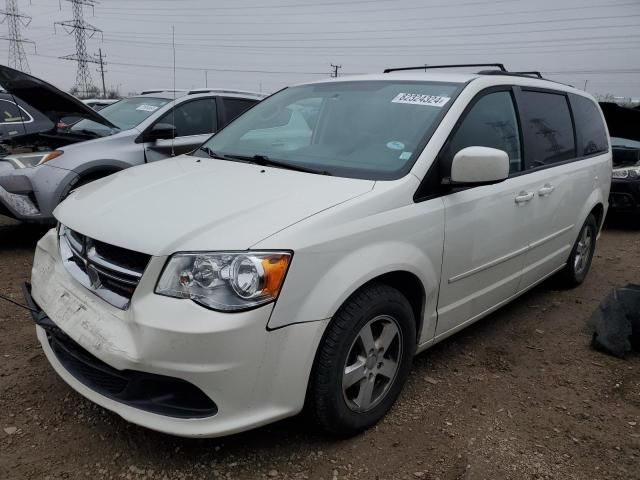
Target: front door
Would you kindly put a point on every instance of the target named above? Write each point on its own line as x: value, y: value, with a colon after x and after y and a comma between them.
x: 487, y: 228
x: 195, y: 122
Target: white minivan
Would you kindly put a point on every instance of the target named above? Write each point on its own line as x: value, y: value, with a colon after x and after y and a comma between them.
x: 306, y: 252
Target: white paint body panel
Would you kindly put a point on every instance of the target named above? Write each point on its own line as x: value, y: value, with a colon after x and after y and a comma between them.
x: 472, y: 251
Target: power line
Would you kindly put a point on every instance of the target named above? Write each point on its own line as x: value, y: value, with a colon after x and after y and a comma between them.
x: 16, y: 20
x: 243, y: 10
x: 80, y: 29
x: 378, y: 47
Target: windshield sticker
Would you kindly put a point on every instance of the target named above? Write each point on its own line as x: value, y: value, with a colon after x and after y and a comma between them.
x: 405, y: 156
x: 420, y: 99
x: 147, y: 108
x: 395, y: 145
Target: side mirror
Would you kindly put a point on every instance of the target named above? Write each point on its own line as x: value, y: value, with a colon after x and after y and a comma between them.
x: 160, y: 131
x: 479, y: 166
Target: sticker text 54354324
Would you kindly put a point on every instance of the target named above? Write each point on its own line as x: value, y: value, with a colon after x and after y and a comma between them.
x: 420, y: 99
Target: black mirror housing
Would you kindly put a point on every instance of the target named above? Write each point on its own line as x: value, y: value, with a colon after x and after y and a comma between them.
x: 160, y: 131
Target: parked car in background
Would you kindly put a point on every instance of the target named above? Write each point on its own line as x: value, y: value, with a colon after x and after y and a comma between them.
x: 624, y: 128
x: 130, y: 132
x: 306, y: 252
x: 99, y: 103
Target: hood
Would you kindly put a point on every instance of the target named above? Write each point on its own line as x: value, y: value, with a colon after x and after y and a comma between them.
x: 622, y: 122
x: 194, y: 204
x: 46, y: 98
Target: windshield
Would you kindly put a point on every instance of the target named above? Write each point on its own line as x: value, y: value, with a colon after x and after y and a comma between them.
x: 125, y: 114
x: 372, y: 130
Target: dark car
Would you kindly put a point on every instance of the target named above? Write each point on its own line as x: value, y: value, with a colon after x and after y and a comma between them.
x: 624, y: 128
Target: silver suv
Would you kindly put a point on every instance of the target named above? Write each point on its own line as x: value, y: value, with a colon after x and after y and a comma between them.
x: 133, y: 131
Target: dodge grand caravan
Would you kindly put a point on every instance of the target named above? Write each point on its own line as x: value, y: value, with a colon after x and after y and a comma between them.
x: 303, y: 255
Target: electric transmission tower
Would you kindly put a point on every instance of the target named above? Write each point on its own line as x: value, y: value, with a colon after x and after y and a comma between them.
x: 15, y: 20
x: 81, y: 30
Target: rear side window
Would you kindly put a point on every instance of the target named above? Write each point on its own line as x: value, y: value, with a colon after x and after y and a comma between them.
x: 491, y: 122
x: 234, y: 107
x: 590, y: 130
x: 10, y: 113
x: 547, y: 128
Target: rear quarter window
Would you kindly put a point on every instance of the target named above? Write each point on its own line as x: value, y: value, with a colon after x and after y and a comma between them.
x: 590, y: 130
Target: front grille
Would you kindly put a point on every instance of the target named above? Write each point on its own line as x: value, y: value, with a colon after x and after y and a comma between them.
x: 111, y: 272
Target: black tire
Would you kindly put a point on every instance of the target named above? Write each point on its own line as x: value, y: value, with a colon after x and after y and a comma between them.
x: 327, y: 402
x: 574, y: 272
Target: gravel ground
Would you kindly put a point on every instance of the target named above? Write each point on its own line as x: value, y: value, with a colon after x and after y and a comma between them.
x: 519, y: 395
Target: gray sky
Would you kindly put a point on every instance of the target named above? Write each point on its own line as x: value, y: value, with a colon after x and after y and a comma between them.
x: 254, y: 44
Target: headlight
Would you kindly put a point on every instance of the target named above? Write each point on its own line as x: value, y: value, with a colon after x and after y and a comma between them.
x: 51, y: 156
x: 631, y: 172
x: 227, y: 281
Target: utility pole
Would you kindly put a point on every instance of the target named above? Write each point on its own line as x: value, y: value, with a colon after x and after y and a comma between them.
x: 16, y: 20
x: 334, y: 74
x: 206, y: 78
x: 80, y: 29
x: 101, y: 70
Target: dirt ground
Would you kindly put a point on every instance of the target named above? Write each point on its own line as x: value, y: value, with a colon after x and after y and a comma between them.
x: 519, y: 395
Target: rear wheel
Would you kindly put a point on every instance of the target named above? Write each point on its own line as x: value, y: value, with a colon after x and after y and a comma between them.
x: 363, y: 361
x: 577, y: 267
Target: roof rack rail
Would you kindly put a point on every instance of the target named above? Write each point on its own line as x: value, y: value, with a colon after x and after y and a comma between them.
x: 532, y: 73
x: 512, y: 74
x: 499, y: 66
x: 160, y: 90
x: 225, y: 90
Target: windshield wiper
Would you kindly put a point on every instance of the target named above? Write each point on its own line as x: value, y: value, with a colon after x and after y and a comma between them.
x: 87, y: 132
x: 265, y: 161
x: 211, y: 154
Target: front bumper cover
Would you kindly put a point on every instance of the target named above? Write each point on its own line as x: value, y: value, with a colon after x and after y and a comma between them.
x: 624, y: 194
x: 153, y: 393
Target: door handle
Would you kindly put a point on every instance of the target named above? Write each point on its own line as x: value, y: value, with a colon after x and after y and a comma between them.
x: 524, y: 197
x: 547, y: 189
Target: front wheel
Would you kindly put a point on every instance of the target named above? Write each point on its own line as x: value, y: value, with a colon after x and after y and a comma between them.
x: 579, y: 262
x: 363, y: 361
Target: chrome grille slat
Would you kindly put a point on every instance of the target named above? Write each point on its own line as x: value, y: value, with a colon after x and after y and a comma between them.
x: 96, y: 259
x: 112, y: 279
x: 115, y: 277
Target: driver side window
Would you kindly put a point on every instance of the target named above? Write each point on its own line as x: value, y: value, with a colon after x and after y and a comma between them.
x: 491, y: 122
x: 193, y: 118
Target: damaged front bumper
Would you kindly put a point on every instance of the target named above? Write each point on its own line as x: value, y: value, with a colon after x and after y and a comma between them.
x: 248, y: 376
x: 624, y: 195
x: 31, y: 194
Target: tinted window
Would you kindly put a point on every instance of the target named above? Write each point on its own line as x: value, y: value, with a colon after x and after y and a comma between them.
x: 234, y: 107
x: 491, y: 122
x: 547, y: 128
x: 592, y: 136
x: 10, y: 113
x: 193, y: 118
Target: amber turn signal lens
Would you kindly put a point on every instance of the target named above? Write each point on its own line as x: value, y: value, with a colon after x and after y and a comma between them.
x: 51, y: 156
x: 275, y: 268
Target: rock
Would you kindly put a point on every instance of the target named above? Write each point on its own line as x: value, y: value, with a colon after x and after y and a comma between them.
x: 273, y: 473
x: 418, y: 474
x: 10, y: 430
x: 431, y: 380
